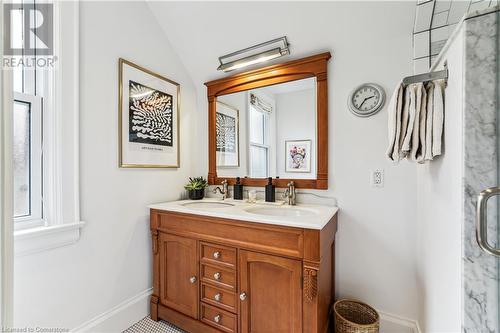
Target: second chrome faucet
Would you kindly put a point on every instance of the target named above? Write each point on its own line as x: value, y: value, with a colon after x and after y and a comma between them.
x: 289, y: 194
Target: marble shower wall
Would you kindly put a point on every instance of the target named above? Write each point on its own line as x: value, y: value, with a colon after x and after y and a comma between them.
x: 480, y: 270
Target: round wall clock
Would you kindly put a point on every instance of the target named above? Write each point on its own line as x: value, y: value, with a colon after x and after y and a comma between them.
x: 366, y: 100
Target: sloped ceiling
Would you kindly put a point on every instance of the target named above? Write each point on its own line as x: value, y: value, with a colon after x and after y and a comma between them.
x: 202, y: 31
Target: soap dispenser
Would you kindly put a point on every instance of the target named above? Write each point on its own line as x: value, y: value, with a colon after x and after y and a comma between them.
x: 270, y: 190
x: 238, y: 190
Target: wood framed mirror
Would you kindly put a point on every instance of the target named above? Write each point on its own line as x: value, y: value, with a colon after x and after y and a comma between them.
x: 271, y: 122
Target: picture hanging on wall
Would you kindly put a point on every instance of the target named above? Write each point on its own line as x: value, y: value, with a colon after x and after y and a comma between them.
x: 227, y: 133
x: 148, y: 114
x: 298, y: 156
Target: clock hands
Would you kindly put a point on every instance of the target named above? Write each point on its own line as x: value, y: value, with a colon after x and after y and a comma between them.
x: 366, y: 98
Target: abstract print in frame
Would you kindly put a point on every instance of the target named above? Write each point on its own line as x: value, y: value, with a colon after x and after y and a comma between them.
x: 298, y: 156
x: 227, y: 136
x: 148, y: 118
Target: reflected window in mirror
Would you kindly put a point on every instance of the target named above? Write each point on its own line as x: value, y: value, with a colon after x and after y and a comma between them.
x: 260, y: 142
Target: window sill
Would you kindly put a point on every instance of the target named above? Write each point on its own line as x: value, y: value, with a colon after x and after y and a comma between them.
x: 35, y: 240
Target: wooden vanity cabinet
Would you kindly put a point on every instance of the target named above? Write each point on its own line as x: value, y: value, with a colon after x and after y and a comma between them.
x: 178, y: 273
x: 220, y: 275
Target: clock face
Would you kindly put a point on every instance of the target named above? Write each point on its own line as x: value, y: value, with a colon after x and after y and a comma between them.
x: 366, y: 99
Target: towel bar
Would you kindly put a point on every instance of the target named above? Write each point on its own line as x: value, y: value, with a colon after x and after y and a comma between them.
x: 427, y: 76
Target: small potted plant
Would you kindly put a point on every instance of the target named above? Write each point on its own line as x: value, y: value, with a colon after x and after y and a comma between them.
x: 196, y: 188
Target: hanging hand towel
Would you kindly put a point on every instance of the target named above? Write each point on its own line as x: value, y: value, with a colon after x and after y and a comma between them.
x: 405, y: 147
x: 394, y: 123
x: 420, y: 153
x: 430, y: 118
x: 437, y: 118
x: 415, y: 139
x: 404, y: 121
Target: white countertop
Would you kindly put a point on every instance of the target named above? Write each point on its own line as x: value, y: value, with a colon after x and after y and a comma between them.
x: 316, y: 216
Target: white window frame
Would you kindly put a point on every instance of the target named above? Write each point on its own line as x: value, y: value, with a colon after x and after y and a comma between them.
x: 61, y: 209
x: 266, y: 139
x: 35, y: 218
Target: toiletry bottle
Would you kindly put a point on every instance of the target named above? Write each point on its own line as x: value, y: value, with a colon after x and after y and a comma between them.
x: 270, y: 191
x: 238, y: 190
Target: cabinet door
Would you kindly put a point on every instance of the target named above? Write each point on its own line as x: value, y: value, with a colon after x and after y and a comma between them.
x: 179, y: 274
x: 270, y: 294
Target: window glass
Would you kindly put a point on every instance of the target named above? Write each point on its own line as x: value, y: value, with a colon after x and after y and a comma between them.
x: 257, y: 126
x: 258, y: 162
x: 21, y: 157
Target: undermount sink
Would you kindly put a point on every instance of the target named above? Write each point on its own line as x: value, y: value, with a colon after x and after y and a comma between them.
x: 281, y: 211
x: 204, y: 204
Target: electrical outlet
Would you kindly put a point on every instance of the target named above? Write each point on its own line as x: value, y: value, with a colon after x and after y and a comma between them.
x: 377, y: 178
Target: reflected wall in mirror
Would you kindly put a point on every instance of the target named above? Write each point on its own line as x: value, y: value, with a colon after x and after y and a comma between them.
x: 273, y: 128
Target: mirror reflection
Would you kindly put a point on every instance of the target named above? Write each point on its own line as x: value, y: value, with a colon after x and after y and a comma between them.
x: 268, y: 132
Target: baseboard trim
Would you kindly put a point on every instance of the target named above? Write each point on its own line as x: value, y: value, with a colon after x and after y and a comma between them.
x: 120, y: 317
x: 411, y: 324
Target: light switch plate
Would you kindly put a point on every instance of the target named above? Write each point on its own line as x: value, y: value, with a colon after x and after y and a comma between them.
x: 377, y: 178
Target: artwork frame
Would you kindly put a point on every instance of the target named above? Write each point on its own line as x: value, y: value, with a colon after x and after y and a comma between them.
x: 228, y: 156
x: 148, y: 123
x: 291, y: 164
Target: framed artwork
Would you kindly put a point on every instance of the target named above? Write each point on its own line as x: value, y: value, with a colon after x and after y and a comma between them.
x: 227, y: 136
x: 298, y: 156
x: 148, y: 118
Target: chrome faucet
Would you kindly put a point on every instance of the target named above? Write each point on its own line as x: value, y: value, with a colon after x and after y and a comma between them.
x: 290, y: 194
x: 224, y: 191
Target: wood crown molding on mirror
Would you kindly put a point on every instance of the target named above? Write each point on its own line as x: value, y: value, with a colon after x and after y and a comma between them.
x: 313, y: 66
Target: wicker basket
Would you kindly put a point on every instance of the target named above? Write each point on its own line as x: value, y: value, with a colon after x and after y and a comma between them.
x: 355, y: 317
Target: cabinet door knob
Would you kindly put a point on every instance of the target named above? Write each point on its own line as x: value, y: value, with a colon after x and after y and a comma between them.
x: 216, y: 254
x: 217, y: 318
x: 192, y: 279
x: 217, y: 297
x: 243, y: 296
x: 217, y: 276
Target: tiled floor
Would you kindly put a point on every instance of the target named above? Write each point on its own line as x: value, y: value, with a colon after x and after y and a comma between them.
x: 147, y: 325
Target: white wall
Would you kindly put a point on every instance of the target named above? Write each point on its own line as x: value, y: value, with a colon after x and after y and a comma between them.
x: 439, y: 213
x: 111, y: 263
x: 295, y: 120
x: 370, y: 42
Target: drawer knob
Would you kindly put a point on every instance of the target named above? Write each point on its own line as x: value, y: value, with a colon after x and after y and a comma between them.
x: 216, y: 254
x: 192, y: 279
x: 217, y: 276
x: 217, y: 318
x: 217, y: 297
x: 243, y: 296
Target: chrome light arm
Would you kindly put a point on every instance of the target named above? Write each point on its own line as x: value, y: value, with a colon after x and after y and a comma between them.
x: 482, y: 220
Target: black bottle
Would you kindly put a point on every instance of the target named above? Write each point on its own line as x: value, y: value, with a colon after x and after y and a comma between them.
x: 238, y: 190
x: 270, y: 191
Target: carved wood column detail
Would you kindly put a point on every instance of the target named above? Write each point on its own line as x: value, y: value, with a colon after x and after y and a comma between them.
x: 154, y: 234
x: 310, y: 284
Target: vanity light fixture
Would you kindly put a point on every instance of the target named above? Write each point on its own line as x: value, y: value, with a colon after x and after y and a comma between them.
x: 268, y: 50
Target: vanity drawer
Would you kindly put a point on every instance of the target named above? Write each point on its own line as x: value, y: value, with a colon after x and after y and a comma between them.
x: 219, y: 297
x: 219, y: 276
x: 220, y: 319
x: 218, y: 254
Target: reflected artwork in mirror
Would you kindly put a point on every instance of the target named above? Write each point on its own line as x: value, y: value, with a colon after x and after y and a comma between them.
x: 270, y: 122
x: 227, y: 136
x: 273, y: 120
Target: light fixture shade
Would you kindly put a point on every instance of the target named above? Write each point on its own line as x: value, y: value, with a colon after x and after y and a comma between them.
x: 261, y: 56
